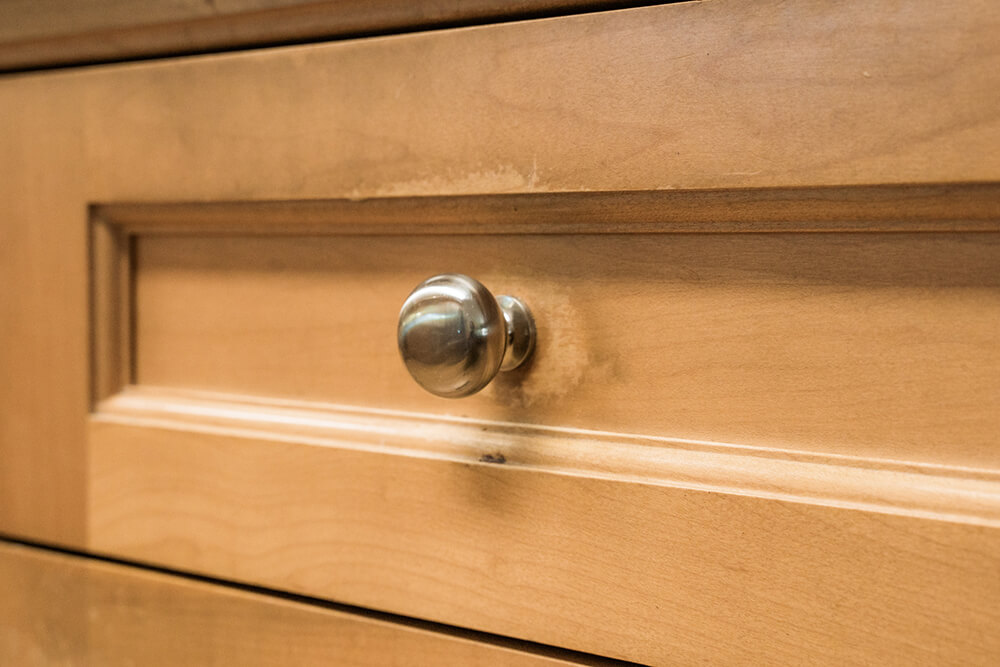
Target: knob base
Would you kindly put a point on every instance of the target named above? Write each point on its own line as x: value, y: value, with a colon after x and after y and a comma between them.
x: 520, y: 332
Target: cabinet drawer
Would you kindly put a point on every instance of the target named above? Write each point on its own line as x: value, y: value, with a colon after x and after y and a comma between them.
x: 701, y: 405
x: 61, y: 609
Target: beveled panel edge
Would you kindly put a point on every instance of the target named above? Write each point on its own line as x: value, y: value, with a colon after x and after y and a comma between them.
x: 948, y: 493
x: 967, y: 207
x: 111, y: 321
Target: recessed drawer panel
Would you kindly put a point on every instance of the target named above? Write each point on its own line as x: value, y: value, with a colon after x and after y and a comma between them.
x: 869, y: 344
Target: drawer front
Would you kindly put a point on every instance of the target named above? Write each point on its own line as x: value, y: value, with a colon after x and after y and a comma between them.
x: 760, y: 420
x: 729, y: 429
x: 60, y: 609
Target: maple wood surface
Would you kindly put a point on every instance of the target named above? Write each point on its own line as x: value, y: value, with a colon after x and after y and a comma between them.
x: 714, y: 96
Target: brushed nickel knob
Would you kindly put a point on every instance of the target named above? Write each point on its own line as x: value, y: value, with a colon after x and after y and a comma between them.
x: 454, y: 336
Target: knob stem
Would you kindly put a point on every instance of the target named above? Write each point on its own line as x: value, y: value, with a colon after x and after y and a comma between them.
x: 520, y: 332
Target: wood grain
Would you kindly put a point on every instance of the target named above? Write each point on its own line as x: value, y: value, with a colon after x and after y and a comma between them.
x: 655, y: 573
x: 720, y: 95
x: 59, y: 609
x: 732, y: 94
x: 45, y: 33
x: 874, y: 345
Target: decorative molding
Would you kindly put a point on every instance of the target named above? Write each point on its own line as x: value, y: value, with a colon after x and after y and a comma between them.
x: 927, y: 491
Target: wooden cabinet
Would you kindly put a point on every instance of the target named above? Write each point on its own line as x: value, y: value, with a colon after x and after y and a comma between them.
x: 760, y: 240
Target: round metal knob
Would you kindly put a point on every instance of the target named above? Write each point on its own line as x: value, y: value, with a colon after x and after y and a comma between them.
x: 454, y: 336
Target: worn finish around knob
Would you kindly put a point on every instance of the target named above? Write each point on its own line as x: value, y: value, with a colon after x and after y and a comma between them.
x: 454, y: 336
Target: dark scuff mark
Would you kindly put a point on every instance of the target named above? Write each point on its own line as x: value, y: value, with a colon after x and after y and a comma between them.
x: 493, y: 458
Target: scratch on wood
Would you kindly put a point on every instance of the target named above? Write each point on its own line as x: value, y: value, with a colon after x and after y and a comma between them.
x: 505, y: 178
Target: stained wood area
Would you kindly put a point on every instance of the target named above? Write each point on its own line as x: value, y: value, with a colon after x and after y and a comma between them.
x: 874, y: 345
x: 64, y: 609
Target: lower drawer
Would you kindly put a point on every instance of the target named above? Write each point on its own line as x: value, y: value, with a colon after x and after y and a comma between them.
x: 58, y: 609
